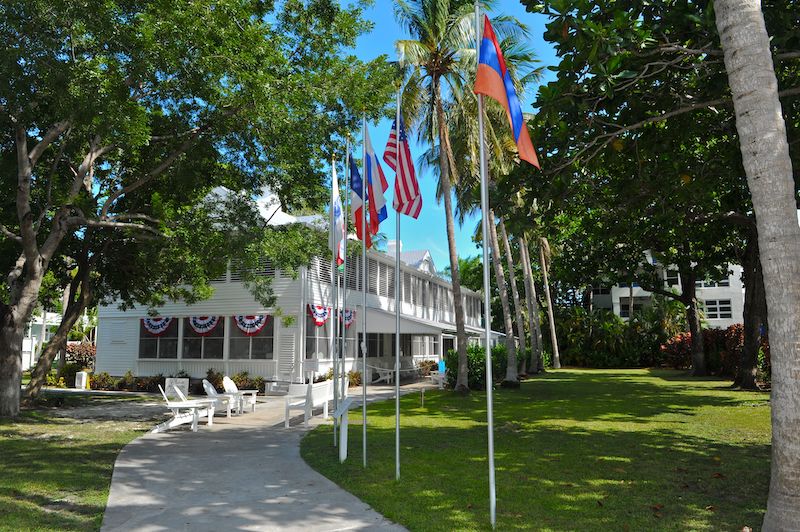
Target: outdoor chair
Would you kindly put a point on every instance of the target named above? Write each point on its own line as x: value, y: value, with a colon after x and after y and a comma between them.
x: 242, y: 396
x: 185, y: 411
x: 222, y: 399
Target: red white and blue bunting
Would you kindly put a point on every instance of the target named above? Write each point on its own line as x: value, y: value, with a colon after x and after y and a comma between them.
x: 156, y: 326
x: 319, y: 313
x: 349, y: 317
x: 251, y: 325
x: 203, y: 325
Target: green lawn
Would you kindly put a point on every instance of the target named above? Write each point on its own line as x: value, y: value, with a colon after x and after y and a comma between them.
x: 55, y: 473
x: 575, y: 450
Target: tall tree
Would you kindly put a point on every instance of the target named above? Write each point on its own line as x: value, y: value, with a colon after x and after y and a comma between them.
x: 512, y: 280
x: 118, y: 118
x: 532, y: 302
x: 443, y: 34
x: 511, y: 378
x: 768, y: 165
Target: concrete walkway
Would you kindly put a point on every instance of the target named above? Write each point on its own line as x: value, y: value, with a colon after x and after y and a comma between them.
x: 243, y: 473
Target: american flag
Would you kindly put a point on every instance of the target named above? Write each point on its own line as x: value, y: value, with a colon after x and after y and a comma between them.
x: 407, y: 199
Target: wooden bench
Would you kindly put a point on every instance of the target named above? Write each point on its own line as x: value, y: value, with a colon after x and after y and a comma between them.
x: 306, y: 397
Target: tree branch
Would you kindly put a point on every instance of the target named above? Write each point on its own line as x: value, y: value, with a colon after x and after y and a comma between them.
x: 52, y: 134
x: 9, y: 234
x: 79, y: 221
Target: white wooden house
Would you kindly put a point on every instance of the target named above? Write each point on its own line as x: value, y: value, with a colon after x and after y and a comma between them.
x: 221, y: 332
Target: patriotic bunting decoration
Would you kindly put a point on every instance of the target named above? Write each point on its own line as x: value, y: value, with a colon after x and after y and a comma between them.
x: 251, y: 325
x: 349, y: 316
x: 319, y: 313
x: 156, y: 326
x: 203, y: 325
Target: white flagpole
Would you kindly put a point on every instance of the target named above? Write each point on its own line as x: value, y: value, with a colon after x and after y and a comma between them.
x: 364, y: 282
x: 397, y: 304
x: 346, y: 198
x: 334, y: 299
x: 486, y: 308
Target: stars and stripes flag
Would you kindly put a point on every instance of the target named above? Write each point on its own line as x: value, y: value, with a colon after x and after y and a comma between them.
x: 377, y: 185
x: 357, y: 200
x: 407, y: 198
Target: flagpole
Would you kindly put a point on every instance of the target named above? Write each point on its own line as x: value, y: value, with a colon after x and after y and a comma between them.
x: 486, y: 307
x: 364, y: 280
x: 344, y: 264
x: 334, y: 299
x: 397, y: 304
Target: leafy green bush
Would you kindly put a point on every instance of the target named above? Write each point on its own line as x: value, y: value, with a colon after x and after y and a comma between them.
x: 103, y: 381
x: 150, y: 384
x: 355, y: 377
x: 55, y: 381
x: 426, y: 366
x: 127, y: 382
x: 68, y: 373
x: 243, y: 381
x: 215, y: 378
x: 476, y: 364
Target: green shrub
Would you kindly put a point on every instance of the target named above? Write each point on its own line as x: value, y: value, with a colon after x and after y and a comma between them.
x: 68, y: 373
x: 127, y: 382
x: 476, y: 364
x: 103, y: 381
x: 243, y: 381
x: 426, y: 366
x: 150, y: 384
x: 355, y: 377
x: 55, y: 381
x: 215, y: 378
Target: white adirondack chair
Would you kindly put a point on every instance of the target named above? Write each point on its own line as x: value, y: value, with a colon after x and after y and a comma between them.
x: 223, y: 400
x: 185, y: 411
x: 242, y: 396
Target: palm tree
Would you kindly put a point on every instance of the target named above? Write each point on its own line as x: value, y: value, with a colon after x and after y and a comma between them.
x: 512, y: 280
x: 442, y: 31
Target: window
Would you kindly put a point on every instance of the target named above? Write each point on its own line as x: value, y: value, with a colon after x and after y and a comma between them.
x: 712, y: 284
x: 625, y: 285
x: 671, y: 278
x: 372, y: 277
x: 208, y: 345
x: 406, y: 287
x: 259, y: 346
x: 154, y: 343
x: 317, y: 338
x: 718, y: 309
x: 600, y: 291
x: 624, y: 305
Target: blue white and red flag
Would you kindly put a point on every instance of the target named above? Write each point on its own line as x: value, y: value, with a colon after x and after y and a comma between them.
x: 407, y: 198
x: 357, y: 200
x: 494, y: 80
x: 377, y: 184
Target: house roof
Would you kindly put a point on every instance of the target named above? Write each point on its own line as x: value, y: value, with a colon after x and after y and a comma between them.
x: 415, y: 258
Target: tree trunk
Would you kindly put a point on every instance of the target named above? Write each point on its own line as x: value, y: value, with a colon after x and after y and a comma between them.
x: 755, y: 315
x: 689, y: 298
x: 73, y: 309
x: 765, y: 154
x: 553, y: 338
x: 10, y: 363
x: 462, y: 385
x: 630, y: 299
x: 512, y: 280
x: 512, y: 378
x: 537, y: 363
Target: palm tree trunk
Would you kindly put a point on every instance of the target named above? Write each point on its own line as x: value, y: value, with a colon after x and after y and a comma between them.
x: 689, y: 298
x: 462, y: 385
x: 765, y: 154
x: 512, y: 378
x: 553, y: 338
x: 537, y: 363
x: 755, y: 314
x: 512, y: 280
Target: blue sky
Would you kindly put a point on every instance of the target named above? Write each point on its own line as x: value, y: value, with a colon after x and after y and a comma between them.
x: 428, y: 232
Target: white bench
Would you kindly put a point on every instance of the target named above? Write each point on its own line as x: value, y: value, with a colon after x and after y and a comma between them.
x: 306, y: 397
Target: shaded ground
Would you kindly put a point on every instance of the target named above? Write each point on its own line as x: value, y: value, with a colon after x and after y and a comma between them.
x: 56, y: 460
x: 575, y: 450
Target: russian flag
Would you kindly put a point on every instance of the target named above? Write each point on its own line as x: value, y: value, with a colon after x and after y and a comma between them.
x: 493, y: 80
x: 377, y: 202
